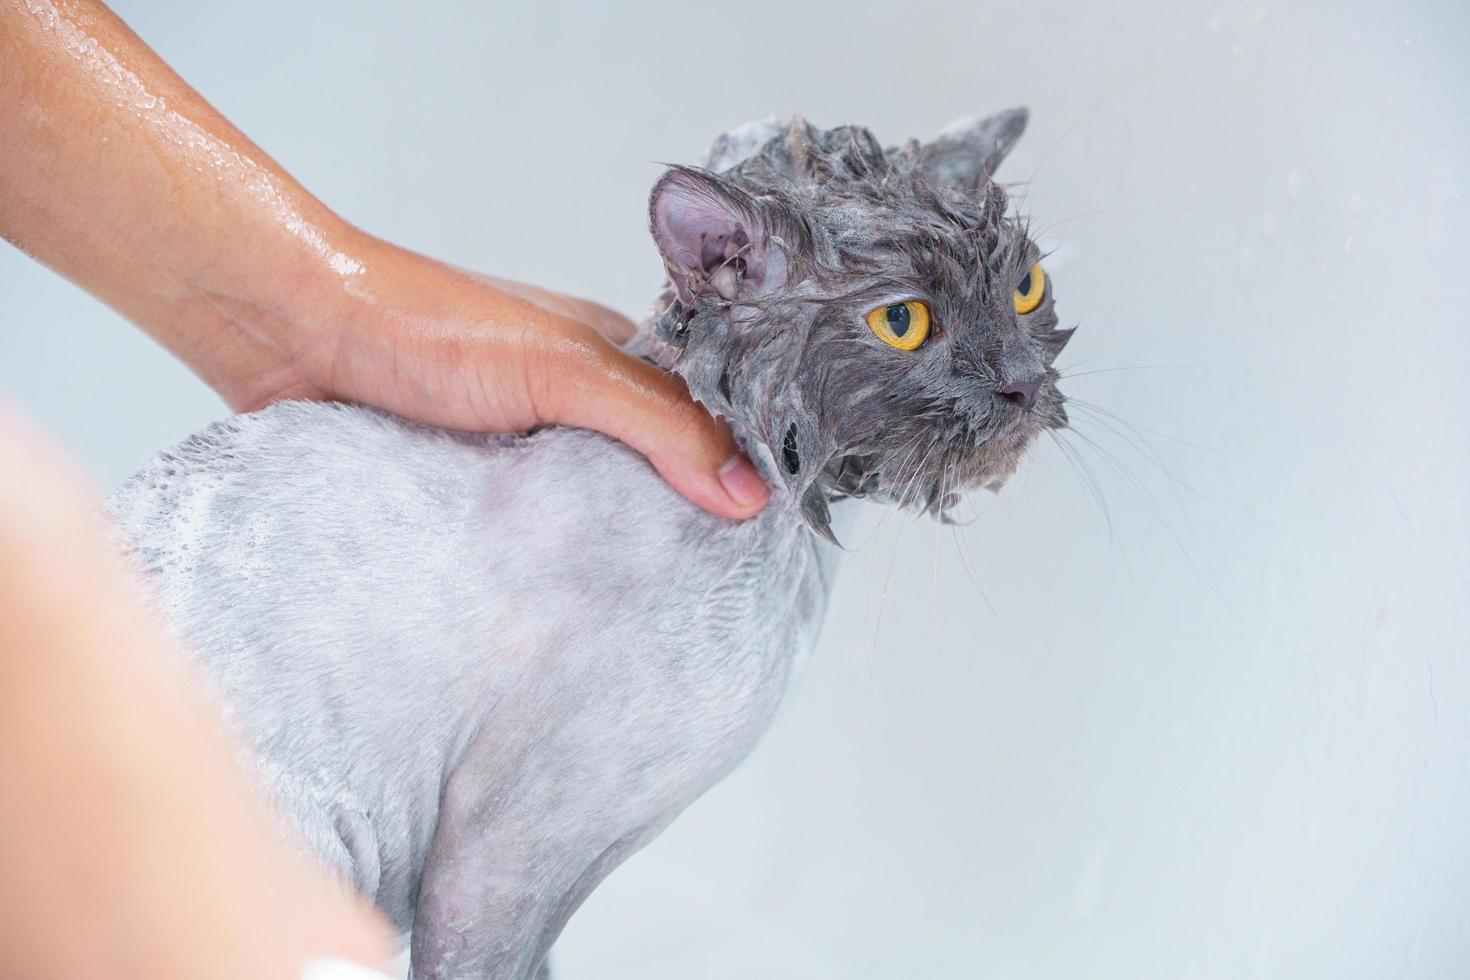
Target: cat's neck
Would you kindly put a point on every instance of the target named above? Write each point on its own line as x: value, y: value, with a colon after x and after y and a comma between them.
x: 651, y: 343
x: 647, y: 345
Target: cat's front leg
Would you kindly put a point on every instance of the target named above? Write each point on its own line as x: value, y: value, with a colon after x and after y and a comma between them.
x: 528, y: 826
x: 479, y: 922
x: 581, y: 762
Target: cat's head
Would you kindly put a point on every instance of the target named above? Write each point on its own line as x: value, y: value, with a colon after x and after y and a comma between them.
x: 872, y: 316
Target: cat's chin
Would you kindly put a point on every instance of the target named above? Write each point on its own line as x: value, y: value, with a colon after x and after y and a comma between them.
x: 986, y: 467
x: 999, y: 458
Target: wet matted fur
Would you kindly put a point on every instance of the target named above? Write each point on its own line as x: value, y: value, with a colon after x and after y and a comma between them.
x: 476, y: 673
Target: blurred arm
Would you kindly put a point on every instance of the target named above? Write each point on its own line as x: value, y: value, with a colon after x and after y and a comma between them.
x: 132, y: 844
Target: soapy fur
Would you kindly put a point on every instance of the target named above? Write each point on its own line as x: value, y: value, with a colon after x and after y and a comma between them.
x: 475, y: 673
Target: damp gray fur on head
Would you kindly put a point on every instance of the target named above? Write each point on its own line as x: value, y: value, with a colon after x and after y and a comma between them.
x: 778, y: 249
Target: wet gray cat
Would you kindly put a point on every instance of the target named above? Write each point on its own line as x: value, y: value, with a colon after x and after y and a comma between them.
x: 476, y: 673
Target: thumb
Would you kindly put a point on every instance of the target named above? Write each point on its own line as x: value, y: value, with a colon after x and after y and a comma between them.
x: 578, y: 378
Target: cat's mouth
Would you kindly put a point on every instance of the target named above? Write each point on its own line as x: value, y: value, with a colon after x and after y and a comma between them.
x: 933, y: 477
x: 987, y: 464
x: 995, y: 458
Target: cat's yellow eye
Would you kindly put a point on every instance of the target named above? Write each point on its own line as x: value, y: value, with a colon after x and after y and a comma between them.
x: 903, y: 325
x: 1030, y: 290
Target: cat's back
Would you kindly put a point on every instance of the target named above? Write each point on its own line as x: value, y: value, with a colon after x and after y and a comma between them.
x: 304, y: 547
x: 315, y: 506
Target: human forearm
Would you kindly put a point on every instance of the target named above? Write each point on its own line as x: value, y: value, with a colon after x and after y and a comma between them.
x: 119, y: 176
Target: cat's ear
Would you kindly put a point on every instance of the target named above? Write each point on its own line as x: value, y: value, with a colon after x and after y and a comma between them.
x: 713, y: 237
x: 967, y: 152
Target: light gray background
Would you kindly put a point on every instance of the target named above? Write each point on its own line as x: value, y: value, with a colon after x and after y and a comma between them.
x: 1221, y: 730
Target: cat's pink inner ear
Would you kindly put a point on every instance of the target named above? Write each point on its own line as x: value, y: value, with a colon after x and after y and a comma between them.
x: 710, y: 236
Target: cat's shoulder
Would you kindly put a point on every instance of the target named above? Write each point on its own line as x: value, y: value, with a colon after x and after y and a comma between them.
x: 275, y: 459
x: 309, y: 476
x: 282, y: 433
x: 321, y: 459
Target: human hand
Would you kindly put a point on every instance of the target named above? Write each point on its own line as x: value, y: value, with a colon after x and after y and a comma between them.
x: 177, y: 221
x: 451, y: 348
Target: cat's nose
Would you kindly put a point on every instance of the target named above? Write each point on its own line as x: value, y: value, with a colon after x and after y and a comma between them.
x: 1022, y: 393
